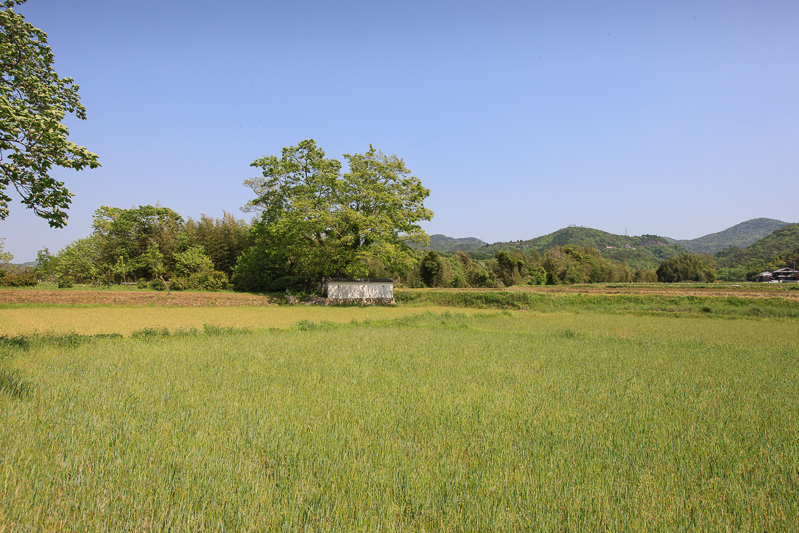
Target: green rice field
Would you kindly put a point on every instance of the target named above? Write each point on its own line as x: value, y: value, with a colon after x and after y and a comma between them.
x: 406, y: 419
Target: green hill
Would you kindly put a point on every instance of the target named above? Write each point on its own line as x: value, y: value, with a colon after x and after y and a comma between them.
x: 769, y: 252
x: 644, y: 251
x: 444, y: 244
x: 740, y: 236
x: 746, y: 246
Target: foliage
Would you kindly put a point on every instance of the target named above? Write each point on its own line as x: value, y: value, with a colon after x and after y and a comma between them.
x: 45, y: 264
x: 153, y: 260
x: 435, y: 271
x: 687, y: 267
x: 152, y: 243
x: 125, y: 236
x: 193, y: 261
x: 211, y: 280
x: 572, y: 264
x: 645, y: 276
x: 509, y: 268
x: 33, y: 103
x: 317, y: 222
x: 78, y: 262
x: 475, y: 273
x: 261, y: 266
x: 5, y: 257
x: 222, y: 239
x: 561, y: 265
x: 16, y: 276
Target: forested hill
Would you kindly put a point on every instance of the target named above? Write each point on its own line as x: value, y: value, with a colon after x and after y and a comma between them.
x: 741, y: 235
x: 444, y: 244
x: 758, y: 240
x: 644, y: 251
x: 778, y: 247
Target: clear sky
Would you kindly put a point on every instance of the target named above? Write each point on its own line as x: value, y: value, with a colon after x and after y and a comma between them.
x: 676, y: 118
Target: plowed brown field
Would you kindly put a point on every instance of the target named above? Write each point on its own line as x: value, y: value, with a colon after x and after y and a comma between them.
x: 228, y: 299
x: 135, y: 298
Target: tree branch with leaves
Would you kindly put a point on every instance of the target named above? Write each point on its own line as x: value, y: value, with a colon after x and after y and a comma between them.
x: 33, y: 103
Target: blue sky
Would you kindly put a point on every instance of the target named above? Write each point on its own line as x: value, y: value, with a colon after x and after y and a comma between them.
x: 673, y: 118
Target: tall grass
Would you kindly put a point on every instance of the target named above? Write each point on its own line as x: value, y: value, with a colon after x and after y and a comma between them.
x: 431, y: 422
x: 607, y: 303
x: 62, y: 319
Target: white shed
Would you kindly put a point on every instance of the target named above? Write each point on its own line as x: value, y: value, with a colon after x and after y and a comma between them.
x: 360, y: 291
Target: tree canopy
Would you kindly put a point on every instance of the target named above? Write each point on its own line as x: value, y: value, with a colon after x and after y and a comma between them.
x: 687, y: 267
x: 319, y: 222
x: 33, y: 103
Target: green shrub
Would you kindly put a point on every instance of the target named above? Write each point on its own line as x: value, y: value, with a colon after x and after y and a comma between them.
x: 435, y: 270
x: 142, y: 283
x: 483, y: 279
x: 179, y: 284
x: 18, y: 277
x: 206, y: 281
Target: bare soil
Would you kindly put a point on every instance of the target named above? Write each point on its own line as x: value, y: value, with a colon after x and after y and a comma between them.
x: 141, y: 298
x: 135, y: 298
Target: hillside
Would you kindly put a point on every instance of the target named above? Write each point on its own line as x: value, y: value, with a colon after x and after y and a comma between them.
x: 775, y: 247
x: 644, y: 251
x: 740, y: 236
x: 442, y: 243
x: 748, y: 245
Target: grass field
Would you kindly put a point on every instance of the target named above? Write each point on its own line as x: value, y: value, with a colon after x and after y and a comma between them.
x: 22, y: 320
x: 404, y: 420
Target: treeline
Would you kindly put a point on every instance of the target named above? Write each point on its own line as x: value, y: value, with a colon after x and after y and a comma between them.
x: 558, y: 266
x: 152, y: 246
x: 643, y: 252
x: 562, y: 265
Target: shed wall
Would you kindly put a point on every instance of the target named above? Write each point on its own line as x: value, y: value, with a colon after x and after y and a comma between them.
x: 353, y: 290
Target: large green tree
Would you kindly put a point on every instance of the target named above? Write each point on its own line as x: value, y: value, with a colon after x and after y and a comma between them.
x: 319, y: 222
x: 33, y: 103
x: 125, y: 236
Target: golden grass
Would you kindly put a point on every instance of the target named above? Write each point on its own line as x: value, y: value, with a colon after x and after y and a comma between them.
x: 439, y: 422
x: 126, y: 320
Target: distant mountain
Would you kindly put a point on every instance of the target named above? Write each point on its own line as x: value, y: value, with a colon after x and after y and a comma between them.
x: 645, y: 251
x: 750, y: 242
x: 780, y: 244
x: 444, y: 244
x: 741, y: 235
